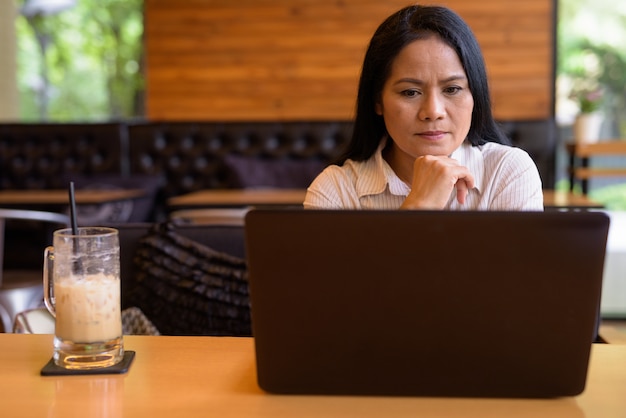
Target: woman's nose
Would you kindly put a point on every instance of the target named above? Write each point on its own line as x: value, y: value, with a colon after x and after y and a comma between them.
x: 431, y: 107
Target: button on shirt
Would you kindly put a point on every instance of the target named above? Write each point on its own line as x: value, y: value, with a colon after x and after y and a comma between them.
x: 506, y: 178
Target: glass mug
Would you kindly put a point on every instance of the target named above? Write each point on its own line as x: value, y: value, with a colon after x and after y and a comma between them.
x: 82, y: 291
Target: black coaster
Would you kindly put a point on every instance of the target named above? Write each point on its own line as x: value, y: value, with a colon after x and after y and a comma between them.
x: 51, y: 369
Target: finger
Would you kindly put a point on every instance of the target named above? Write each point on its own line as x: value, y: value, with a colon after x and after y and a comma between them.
x: 463, y: 185
x: 461, y: 190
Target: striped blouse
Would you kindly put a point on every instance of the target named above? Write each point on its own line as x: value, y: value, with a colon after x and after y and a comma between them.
x: 506, y: 178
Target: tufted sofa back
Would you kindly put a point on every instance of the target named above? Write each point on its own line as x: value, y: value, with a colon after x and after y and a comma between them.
x: 188, y: 156
x: 194, y: 156
x: 42, y: 155
x: 202, y: 155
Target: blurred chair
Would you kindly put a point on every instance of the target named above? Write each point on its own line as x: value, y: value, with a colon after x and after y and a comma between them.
x: 22, y: 289
x: 34, y: 321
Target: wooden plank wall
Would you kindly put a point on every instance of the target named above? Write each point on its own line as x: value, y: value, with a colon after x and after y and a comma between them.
x: 224, y: 60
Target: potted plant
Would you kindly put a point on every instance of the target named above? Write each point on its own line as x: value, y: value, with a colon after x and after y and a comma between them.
x: 588, y: 122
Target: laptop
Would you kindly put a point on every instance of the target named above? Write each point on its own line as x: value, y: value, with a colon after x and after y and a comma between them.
x: 420, y: 303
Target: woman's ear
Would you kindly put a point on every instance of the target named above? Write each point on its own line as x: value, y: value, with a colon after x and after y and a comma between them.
x: 378, y: 108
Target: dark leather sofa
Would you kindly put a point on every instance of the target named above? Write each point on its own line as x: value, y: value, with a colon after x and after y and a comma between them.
x: 173, y: 158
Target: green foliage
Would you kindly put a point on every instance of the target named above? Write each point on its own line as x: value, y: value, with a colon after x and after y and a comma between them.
x: 91, y: 69
x: 612, y: 197
x: 591, y: 57
x: 589, y: 97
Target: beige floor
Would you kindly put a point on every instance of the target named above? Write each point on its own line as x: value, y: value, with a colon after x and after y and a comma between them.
x: 613, y: 331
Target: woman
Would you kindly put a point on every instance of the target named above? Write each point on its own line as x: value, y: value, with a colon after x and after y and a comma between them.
x: 424, y: 135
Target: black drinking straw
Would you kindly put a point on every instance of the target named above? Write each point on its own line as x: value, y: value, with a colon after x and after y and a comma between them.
x: 75, y: 267
x: 73, y: 209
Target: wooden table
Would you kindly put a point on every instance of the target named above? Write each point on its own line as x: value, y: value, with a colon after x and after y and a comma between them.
x: 563, y: 200
x: 222, y: 198
x: 215, y: 376
x: 580, y: 153
x: 238, y: 198
x: 59, y: 197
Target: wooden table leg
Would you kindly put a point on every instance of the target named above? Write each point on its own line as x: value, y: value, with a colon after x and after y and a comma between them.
x: 585, y: 182
x: 572, y: 168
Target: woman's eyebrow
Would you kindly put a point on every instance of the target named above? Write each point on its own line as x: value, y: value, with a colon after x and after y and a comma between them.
x: 454, y: 77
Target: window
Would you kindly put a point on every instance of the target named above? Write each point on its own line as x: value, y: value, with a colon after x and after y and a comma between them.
x: 80, y: 60
x: 591, y: 54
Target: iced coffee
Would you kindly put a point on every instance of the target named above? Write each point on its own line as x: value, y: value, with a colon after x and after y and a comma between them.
x: 82, y: 289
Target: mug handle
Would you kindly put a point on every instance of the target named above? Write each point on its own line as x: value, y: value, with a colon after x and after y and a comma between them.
x: 48, y: 283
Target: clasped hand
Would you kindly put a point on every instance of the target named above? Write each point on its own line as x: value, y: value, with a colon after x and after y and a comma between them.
x: 434, y: 179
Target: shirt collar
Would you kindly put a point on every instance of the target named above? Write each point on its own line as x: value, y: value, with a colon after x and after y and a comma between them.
x: 376, y: 174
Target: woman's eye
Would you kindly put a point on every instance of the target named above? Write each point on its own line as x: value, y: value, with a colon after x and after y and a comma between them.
x: 452, y: 89
x: 410, y: 93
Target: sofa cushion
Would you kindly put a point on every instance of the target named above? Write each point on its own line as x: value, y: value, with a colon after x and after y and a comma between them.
x: 257, y: 172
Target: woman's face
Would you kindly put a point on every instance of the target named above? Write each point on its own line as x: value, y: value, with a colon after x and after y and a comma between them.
x: 426, y: 101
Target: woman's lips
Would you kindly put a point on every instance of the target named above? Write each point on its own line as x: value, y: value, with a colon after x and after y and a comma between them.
x: 432, y: 135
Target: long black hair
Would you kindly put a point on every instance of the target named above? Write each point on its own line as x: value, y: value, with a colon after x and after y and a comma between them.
x: 397, y: 31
